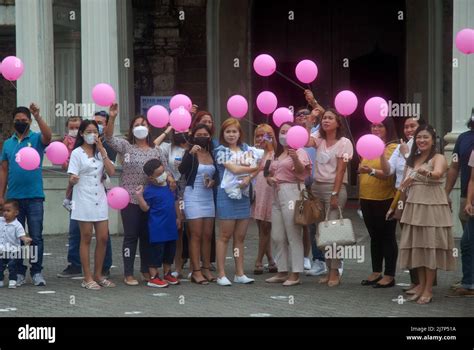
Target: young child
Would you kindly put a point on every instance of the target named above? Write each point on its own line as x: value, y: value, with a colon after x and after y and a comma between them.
x: 163, y: 222
x: 11, y: 232
x: 231, y: 182
x: 72, y: 127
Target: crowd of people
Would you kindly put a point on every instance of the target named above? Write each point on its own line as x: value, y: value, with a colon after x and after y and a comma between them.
x: 182, y: 183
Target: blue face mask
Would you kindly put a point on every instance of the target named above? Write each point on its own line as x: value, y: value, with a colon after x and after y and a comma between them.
x: 101, y: 129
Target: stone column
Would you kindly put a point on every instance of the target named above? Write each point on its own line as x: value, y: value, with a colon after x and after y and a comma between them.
x: 463, y: 92
x: 34, y: 46
x: 99, y: 49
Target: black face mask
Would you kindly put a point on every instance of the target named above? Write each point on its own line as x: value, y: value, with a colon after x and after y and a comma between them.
x: 201, y: 141
x: 179, y: 139
x: 20, y: 126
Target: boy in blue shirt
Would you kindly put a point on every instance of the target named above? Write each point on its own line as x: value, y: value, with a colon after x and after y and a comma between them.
x: 163, y: 222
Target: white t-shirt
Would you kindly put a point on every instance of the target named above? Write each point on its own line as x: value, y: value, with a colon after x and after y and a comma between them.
x: 397, y: 163
x: 10, y: 233
x: 174, y: 155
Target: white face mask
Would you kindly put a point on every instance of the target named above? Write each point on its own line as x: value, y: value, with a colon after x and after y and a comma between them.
x: 140, y: 132
x: 162, y: 178
x: 73, y: 133
x: 89, y: 138
x: 282, y: 139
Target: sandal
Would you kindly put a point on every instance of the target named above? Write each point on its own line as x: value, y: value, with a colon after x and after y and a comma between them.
x: 272, y: 268
x: 194, y: 280
x: 258, y: 270
x: 213, y: 279
x: 424, y: 300
x: 106, y: 283
x: 132, y: 282
x: 92, y: 285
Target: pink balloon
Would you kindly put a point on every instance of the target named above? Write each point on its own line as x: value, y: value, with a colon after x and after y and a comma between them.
x: 266, y: 102
x: 12, y: 68
x: 306, y: 71
x: 158, y: 116
x: 282, y: 115
x: 465, y: 41
x: 180, y: 119
x: 346, y: 102
x: 237, y: 106
x: 180, y: 100
x: 57, y: 152
x: 103, y: 94
x: 376, y: 109
x: 264, y: 65
x: 370, y: 147
x: 118, y: 198
x: 297, y: 137
x: 28, y: 158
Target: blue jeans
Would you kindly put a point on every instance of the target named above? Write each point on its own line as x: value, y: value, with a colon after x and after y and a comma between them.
x: 317, y: 253
x: 31, y: 213
x: 11, y: 264
x: 73, y: 256
x: 467, y: 255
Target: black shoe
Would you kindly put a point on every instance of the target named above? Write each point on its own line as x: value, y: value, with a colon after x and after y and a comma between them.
x: 388, y: 285
x: 71, y: 271
x: 371, y: 283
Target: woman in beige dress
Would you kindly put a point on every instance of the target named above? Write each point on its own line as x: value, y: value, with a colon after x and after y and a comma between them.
x: 426, y: 241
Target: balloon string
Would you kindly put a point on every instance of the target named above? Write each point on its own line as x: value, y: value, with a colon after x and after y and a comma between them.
x: 350, y: 135
x: 291, y: 81
x: 13, y: 84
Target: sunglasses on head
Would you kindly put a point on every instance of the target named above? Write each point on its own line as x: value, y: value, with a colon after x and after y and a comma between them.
x: 102, y: 114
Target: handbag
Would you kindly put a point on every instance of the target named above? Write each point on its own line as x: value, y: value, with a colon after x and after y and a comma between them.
x: 339, y: 232
x: 308, y: 209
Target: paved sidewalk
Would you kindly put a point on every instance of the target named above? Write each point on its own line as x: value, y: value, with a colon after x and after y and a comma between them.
x: 65, y: 297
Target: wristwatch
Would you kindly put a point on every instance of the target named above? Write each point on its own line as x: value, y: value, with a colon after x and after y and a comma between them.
x: 333, y: 193
x: 372, y: 172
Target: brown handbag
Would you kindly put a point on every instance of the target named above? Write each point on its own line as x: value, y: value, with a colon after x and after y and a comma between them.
x: 308, y: 209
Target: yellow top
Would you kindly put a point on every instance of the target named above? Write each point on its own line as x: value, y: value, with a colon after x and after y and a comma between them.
x: 373, y: 188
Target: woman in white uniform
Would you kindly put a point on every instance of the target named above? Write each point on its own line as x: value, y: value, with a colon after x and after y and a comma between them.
x: 89, y: 201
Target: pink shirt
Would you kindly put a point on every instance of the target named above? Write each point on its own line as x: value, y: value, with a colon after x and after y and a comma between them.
x: 284, y: 170
x: 327, y: 158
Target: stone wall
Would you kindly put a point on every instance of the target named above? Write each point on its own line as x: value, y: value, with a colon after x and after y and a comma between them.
x: 169, y: 50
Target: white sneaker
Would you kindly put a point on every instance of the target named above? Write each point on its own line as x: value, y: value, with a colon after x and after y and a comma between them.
x: 224, y: 281
x: 38, y: 279
x: 341, y: 269
x: 243, y: 279
x: 318, y: 268
x: 20, y: 280
x: 11, y: 284
x: 307, y: 263
x: 175, y: 274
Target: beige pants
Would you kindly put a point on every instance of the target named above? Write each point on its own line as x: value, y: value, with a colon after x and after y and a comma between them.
x: 323, y: 192
x: 287, y: 238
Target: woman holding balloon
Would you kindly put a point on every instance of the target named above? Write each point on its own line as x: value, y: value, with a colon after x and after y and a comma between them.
x: 334, y: 151
x: 135, y: 150
x: 87, y: 165
x: 287, y: 174
x: 376, y: 192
